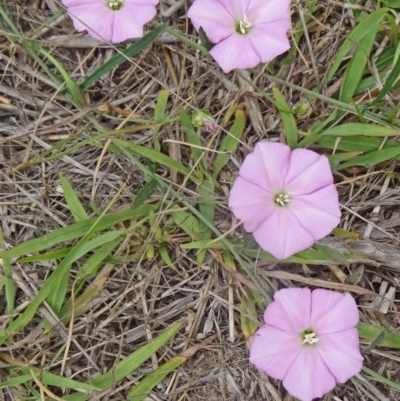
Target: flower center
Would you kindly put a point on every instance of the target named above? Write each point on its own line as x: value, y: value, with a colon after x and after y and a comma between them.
x: 115, y: 4
x: 309, y: 337
x: 243, y: 26
x: 282, y: 199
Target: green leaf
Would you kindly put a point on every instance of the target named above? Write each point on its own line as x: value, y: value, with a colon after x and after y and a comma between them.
x: 133, y: 361
x: 140, y: 392
x: 390, y: 81
x: 331, y: 254
x: 248, y: 315
x: 9, y: 282
x: 362, y: 130
x: 355, y: 36
x: 377, y: 156
x: 353, y: 143
x: 370, y: 332
x: 129, y: 52
x: 56, y: 296
x: 381, y: 379
x: 288, y: 121
x: 192, y: 138
x: 144, y: 193
x: 75, y: 231
x: 73, y: 202
x: 157, y: 157
x: 207, y: 209
x: 230, y: 142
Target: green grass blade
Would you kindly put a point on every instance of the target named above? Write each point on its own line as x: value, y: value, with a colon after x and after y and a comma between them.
x: 381, y: 379
x: 141, y: 391
x: 73, y: 202
x: 353, y: 129
x: 377, y: 156
x: 156, y: 157
x: 56, y: 297
x: 75, y: 231
x: 133, y: 361
x: 354, y: 144
x: 288, y: 121
x: 356, y: 35
x: 9, y: 282
x: 192, y: 137
x: 390, y: 81
x: 130, y: 51
x: 370, y: 332
x: 144, y: 193
x: 230, y: 142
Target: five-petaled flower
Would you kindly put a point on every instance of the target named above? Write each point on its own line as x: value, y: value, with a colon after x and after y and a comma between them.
x: 111, y: 20
x: 246, y: 32
x: 309, y: 340
x: 286, y: 198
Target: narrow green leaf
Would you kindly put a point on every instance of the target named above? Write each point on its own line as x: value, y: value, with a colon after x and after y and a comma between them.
x: 355, y: 144
x: 165, y: 257
x: 381, y: 379
x: 354, y: 129
x: 377, y: 156
x: 75, y: 231
x: 188, y: 223
x: 331, y: 254
x: 355, y: 37
x: 230, y: 142
x: 207, y: 209
x: 56, y: 296
x: 248, y: 315
x: 288, y: 121
x: 129, y: 52
x: 375, y: 343
x: 51, y: 379
x: 141, y: 391
x: 133, y: 361
x: 144, y: 193
x: 157, y: 157
x: 73, y: 202
x: 371, y: 332
x: 390, y: 81
x: 9, y: 282
x: 191, y: 136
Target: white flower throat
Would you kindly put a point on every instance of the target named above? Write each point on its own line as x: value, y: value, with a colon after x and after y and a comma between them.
x: 310, y: 338
x: 115, y: 4
x: 244, y: 25
x: 282, y: 199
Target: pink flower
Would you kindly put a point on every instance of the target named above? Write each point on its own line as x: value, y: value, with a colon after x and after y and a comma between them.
x: 111, y: 20
x: 309, y: 340
x: 286, y: 199
x: 246, y: 32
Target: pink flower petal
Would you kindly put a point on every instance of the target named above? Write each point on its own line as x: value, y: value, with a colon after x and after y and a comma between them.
x: 341, y: 354
x: 308, y: 377
x: 322, y: 301
x: 269, y: 43
x: 98, y: 21
x: 262, y: 11
x: 290, y: 311
x: 308, y: 172
x: 267, y: 166
x: 218, y: 24
x: 319, y: 212
x: 105, y: 24
x: 282, y: 235
x: 250, y: 209
x: 342, y: 316
x: 236, y: 51
x: 273, y: 351
x: 130, y: 20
